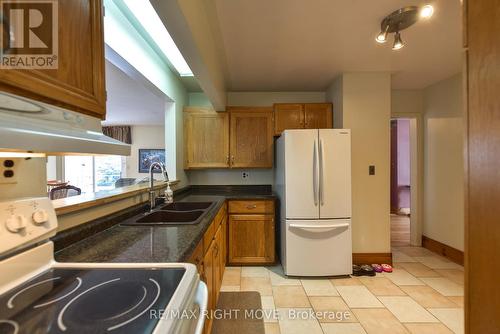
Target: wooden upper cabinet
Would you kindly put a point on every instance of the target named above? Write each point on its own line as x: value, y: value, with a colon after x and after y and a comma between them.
x: 302, y: 116
x: 288, y: 116
x: 251, y: 143
x: 78, y: 83
x: 318, y: 116
x: 206, y: 138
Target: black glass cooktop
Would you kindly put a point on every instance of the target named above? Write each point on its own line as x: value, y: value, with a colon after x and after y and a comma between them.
x: 89, y: 301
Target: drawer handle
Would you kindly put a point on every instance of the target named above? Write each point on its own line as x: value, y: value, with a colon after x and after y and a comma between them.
x: 252, y: 206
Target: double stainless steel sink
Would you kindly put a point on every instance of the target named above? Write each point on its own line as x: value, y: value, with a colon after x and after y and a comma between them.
x: 179, y: 213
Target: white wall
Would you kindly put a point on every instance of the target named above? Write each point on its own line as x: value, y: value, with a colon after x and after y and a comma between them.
x: 257, y: 176
x: 366, y: 110
x: 263, y: 99
x: 335, y: 93
x: 143, y: 137
x: 443, y: 163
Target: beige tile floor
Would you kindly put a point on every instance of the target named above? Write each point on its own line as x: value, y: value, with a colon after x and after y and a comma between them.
x: 423, y: 295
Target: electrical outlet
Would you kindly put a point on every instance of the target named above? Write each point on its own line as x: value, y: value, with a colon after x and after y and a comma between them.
x: 245, y: 175
x: 8, y: 171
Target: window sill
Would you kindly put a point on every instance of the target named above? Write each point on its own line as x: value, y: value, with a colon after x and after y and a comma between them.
x: 85, y: 201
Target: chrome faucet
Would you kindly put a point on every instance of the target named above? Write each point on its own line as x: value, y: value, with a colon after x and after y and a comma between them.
x: 152, y: 193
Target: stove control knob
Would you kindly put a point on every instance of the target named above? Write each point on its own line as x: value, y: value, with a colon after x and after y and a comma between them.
x: 16, y: 223
x: 40, y: 217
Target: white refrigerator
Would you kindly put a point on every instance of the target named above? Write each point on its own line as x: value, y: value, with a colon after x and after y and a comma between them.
x: 313, y: 182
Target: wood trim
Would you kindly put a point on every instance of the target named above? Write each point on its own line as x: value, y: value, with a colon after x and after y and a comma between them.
x: 448, y: 252
x: 370, y: 258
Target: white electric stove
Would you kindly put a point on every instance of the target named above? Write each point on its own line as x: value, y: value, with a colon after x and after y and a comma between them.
x: 39, y: 295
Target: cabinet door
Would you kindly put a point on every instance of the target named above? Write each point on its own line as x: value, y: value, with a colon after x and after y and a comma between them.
x: 217, y: 264
x: 318, y: 116
x: 224, y: 246
x: 288, y: 116
x: 197, y: 258
x: 251, y: 137
x: 208, y: 265
x: 251, y: 239
x: 79, y: 82
x: 206, y: 139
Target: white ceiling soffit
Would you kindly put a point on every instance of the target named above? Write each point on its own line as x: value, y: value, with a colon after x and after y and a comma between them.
x: 130, y: 102
x: 194, y: 29
x: 297, y: 45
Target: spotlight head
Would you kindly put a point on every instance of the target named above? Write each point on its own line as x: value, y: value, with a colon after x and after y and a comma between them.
x: 398, y: 42
x: 426, y: 11
x: 381, y: 37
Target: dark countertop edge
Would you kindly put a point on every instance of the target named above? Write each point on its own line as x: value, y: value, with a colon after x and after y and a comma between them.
x: 77, y: 234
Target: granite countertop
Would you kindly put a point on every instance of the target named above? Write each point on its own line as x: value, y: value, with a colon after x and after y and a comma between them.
x: 154, y: 243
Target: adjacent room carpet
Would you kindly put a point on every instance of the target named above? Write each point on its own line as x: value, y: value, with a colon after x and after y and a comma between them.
x: 242, y: 325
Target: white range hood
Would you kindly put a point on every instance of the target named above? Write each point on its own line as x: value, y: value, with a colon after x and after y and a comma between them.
x: 36, y: 127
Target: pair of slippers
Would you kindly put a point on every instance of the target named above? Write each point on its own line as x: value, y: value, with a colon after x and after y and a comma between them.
x: 382, y: 268
x: 367, y: 270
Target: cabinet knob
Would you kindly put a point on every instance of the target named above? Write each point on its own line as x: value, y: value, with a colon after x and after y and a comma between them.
x: 252, y: 206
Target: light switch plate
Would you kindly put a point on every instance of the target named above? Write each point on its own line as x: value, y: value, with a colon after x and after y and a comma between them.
x: 8, y: 167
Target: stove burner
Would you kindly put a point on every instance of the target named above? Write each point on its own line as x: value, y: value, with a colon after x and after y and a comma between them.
x: 143, y: 311
x: 6, y: 325
x: 107, y: 302
x: 78, y: 284
x: 10, y: 302
x: 60, y: 322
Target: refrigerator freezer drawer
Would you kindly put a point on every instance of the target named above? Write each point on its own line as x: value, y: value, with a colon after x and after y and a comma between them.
x: 317, y: 247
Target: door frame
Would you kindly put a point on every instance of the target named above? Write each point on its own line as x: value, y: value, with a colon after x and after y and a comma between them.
x: 417, y: 174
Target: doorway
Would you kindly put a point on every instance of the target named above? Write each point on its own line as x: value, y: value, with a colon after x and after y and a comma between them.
x: 400, y: 182
x: 406, y: 179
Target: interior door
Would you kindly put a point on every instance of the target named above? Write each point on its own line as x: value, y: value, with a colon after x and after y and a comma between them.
x: 335, y: 173
x: 301, y: 174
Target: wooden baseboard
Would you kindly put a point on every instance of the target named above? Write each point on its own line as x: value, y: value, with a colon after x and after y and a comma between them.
x: 371, y: 258
x: 448, y: 252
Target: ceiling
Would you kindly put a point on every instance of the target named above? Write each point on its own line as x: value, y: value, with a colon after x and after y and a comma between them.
x: 302, y: 45
x: 129, y: 102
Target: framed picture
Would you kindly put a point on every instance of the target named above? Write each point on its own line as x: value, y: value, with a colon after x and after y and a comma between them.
x: 148, y: 156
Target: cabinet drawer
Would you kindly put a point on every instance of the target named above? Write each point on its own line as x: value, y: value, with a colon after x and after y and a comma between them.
x: 250, y: 207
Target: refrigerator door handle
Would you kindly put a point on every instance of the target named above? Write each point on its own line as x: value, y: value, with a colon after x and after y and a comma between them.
x: 315, y: 173
x: 321, y: 168
x: 317, y: 227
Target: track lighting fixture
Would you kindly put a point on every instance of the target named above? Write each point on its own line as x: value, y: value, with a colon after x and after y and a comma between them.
x: 399, y: 20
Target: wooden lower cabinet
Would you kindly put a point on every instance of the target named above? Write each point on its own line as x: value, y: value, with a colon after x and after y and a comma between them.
x: 251, y: 239
x: 210, y: 259
x: 245, y: 236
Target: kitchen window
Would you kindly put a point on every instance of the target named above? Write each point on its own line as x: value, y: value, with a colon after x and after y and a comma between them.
x: 93, y: 173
